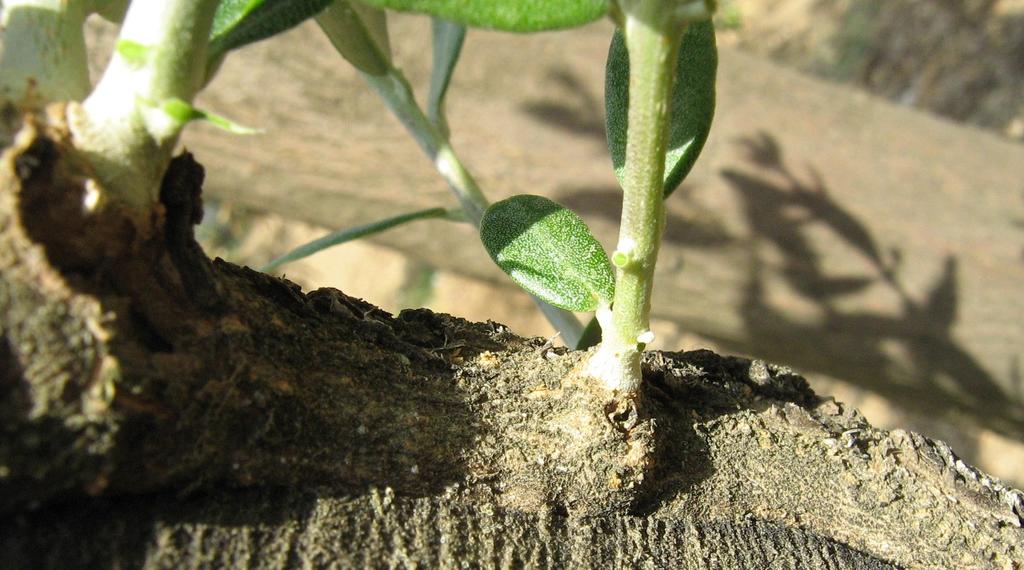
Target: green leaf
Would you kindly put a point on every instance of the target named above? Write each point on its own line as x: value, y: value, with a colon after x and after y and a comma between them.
x: 549, y: 251
x: 240, y: 22
x: 349, y: 234
x: 693, y: 102
x: 448, y: 38
x: 134, y: 53
x: 360, y: 34
x: 182, y: 112
x: 511, y: 15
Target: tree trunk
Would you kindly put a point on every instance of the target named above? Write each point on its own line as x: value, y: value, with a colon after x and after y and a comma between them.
x: 163, y: 410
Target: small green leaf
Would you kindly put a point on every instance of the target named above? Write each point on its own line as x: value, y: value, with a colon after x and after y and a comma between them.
x: 182, y: 112
x: 511, y: 15
x: 693, y: 102
x: 240, y: 22
x: 448, y: 38
x: 349, y: 234
x: 549, y: 251
x: 133, y: 53
x: 359, y: 33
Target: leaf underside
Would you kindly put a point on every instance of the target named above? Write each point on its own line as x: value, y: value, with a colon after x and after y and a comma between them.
x: 447, y: 39
x: 359, y: 33
x: 510, y: 15
x: 693, y: 102
x: 549, y: 251
x: 240, y: 22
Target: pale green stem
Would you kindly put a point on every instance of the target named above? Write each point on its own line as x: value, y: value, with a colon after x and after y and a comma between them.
x: 653, y: 47
x: 398, y: 95
x: 124, y: 126
x: 42, y: 51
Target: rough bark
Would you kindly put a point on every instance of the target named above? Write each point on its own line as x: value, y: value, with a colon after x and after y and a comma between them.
x: 286, y: 529
x: 163, y: 410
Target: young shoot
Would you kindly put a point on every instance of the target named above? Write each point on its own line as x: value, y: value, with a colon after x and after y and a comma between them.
x: 657, y: 125
x: 128, y: 126
x: 167, y: 50
x: 664, y: 126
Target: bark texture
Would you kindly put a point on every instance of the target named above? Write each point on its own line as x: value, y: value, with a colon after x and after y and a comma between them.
x: 163, y: 410
x: 287, y: 529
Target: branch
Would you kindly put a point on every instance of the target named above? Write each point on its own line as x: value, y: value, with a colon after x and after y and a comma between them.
x: 130, y: 123
x: 145, y: 368
x: 42, y: 51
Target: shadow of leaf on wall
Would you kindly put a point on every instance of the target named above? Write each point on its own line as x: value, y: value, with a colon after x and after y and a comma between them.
x: 857, y: 343
x: 571, y: 107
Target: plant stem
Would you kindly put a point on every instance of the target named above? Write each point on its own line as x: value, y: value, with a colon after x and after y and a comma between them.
x: 653, y: 45
x: 123, y: 127
x: 398, y: 95
x: 42, y: 51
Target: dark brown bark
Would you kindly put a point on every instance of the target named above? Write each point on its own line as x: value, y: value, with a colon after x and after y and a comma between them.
x: 161, y: 409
